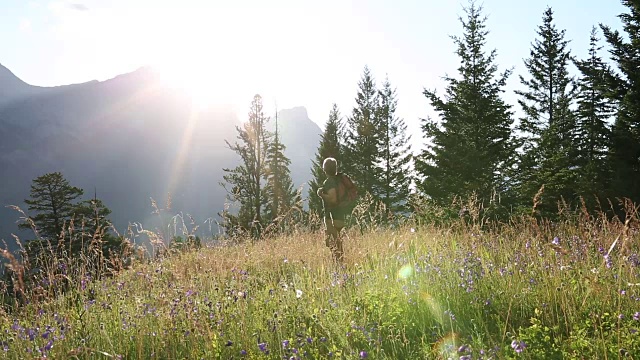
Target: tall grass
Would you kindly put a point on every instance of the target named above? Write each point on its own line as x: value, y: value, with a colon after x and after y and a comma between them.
x: 525, y: 289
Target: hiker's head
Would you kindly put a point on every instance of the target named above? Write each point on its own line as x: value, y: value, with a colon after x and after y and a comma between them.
x: 330, y: 166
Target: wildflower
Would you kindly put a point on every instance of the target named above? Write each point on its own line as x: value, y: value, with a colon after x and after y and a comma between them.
x: 451, y: 315
x: 636, y: 316
x: 298, y: 293
x: 556, y: 241
x: 243, y: 352
x: 607, y: 261
x: 263, y: 348
x: 463, y: 348
x: 285, y: 344
x: 188, y: 293
x: 49, y: 346
x: 309, y: 339
x: 363, y: 354
x: 620, y: 316
x: 229, y: 343
x: 518, y: 346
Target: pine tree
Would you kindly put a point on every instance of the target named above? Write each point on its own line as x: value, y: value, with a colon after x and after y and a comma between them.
x: 92, y: 223
x: 54, y: 201
x: 594, y: 110
x: 624, y: 87
x: 362, y: 138
x: 244, y: 183
x: 471, y: 147
x: 330, y: 146
x: 279, y: 188
x: 395, y: 152
x: 549, y: 126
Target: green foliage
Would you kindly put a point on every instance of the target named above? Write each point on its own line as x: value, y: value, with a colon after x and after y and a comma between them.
x: 394, y: 154
x: 362, y: 138
x: 623, y: 87
x: 549, y: 141
x: 594, y: 110
x: 471, y: 148
x: 244, y: 183
x: 330, y: 146
x: 513, y: 292
x: 65, y: 227
x: 53, y: 200
x: 281, y: 195
x: 190, y: 242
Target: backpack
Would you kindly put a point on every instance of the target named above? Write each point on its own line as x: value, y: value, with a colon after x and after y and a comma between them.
x: 347, y: 191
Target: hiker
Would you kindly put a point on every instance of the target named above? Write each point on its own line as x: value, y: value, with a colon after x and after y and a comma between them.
x: 334, y: 215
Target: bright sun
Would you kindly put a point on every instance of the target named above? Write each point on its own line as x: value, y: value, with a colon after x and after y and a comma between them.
x: 198, y: 79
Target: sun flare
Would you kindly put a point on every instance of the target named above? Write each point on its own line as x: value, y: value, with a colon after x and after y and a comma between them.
x: 191, y: 79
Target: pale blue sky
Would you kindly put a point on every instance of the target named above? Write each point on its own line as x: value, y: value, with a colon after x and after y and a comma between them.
x: 300, y: 53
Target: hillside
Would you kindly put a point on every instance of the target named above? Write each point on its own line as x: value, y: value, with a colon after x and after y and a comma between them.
x: 128, y: 139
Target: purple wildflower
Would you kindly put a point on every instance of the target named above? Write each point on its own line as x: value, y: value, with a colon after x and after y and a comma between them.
x: 263, y: 347
x: 518, y: 346
x: 363, y: 354
x: 285, y: 344
x: 243, y: 352
x: 556, y: 241
x: 636, y: 316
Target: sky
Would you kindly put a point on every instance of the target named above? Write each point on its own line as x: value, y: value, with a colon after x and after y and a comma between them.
x: 292, y: 52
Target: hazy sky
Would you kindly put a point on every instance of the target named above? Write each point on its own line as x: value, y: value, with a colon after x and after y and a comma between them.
x: 300, y: 53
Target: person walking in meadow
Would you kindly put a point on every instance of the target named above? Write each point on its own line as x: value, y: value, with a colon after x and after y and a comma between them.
x: 337, y: 192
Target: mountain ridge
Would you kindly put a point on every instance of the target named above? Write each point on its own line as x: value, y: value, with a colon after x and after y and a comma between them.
x: 130, y: 138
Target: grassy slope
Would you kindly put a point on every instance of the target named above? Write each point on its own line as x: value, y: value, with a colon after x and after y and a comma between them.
x: 404, y: 294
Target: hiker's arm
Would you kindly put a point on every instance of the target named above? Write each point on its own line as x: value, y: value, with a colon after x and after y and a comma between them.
x: 330, y: 197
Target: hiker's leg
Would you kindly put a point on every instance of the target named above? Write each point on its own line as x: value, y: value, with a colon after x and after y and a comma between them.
x: 329, y: 231
x: 333, y: 238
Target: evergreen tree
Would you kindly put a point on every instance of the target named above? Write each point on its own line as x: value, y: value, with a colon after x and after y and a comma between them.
x: 594, y: 110
x: 244, y: 183
x: 624, y: 88
x: 471, y: 147
x: 549, y: 143
x: 93, y: 224
x: 395, y: 152
x: 362, y: 138
x: 54, y: 201
x: 330, y: 146
x: 279, y: 188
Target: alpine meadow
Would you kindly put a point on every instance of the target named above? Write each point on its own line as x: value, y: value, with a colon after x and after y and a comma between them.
x: 160, y: 225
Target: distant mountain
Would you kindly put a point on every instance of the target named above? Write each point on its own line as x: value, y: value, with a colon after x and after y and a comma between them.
x: 128, y: 139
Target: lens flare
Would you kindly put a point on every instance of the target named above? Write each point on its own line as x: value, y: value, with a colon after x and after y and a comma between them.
x: 447, y: 347
x: 434, y: 307
x: 405, y: 272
